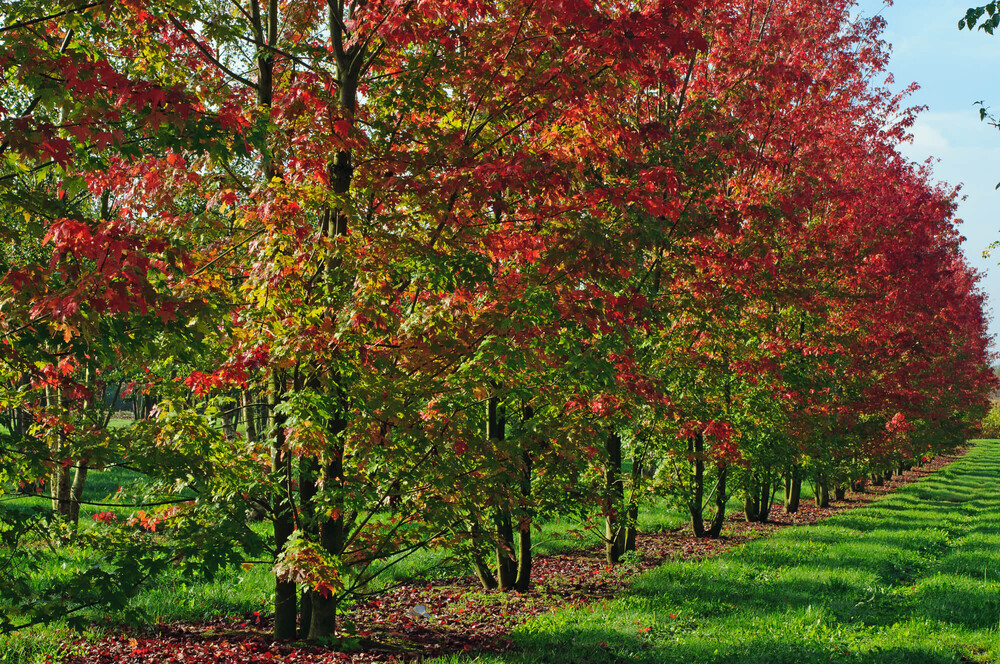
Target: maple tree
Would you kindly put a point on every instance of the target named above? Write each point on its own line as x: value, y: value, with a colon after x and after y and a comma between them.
x: 406, y: 274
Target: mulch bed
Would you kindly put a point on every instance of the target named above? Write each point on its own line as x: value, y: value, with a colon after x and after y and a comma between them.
x: 463, y: 617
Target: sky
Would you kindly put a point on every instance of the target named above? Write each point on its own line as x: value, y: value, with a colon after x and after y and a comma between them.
x: 954, y: 69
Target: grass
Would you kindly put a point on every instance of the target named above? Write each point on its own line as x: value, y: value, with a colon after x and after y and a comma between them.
x: 807, y: 595
x: 241, y: 591
x: 914, y: 578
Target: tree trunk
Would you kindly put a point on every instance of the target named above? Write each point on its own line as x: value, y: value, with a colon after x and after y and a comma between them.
x: 323, y: 622
x: 822, y: 491
x: 249, y: 416
x: 308, y: 470
x: 632, y: 526
x: 229, y: 412
x: 793, y: 489
x: 483, y: 573
x: 61, y: 491
x: 767, y: 487
x: 720, y: 504
x: 615, y: 496
x: 757, y: 500
x: 696, y: 506
x: 333, y: 528
x: 60, y: 484
x: 76, y: 493
x: 506, y: 565
x: 751, y: 504
x: 496, y: 432
x: 840, y: 491
x: 523, y: 581
x: 282, y: 516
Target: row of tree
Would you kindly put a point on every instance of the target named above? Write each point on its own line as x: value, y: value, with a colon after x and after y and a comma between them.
x: 398, y: 273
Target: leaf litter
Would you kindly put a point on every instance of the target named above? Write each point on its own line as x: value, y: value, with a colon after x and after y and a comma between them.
x: 418, y: 620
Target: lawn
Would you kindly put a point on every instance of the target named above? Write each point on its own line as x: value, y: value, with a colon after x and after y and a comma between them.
x: 913, y: 578
x: 907, y: 579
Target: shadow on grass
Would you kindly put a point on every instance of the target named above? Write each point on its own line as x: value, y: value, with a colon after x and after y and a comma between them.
x: 907, y: 579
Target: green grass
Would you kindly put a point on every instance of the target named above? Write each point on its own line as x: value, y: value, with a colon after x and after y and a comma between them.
x: 240, y: 591
x: 913, y: 578
x: 831, y: 574
x: 43, y: 644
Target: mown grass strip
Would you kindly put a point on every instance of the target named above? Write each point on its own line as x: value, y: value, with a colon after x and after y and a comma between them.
x: 910, y: 579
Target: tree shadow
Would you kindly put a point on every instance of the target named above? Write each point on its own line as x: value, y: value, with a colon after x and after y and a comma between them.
x: 887, y: 583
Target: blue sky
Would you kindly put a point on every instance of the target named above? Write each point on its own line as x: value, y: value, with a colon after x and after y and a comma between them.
x: 954, y: 69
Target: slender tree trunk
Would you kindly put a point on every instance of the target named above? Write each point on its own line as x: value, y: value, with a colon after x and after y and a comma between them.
x: 61, y: 486
x: 822, y: 490
x: 282, y: 517
x: 615, y: 491
x: 766, y: 497
x: 759, y: 494
x: 308, y: 471
x: 496, y: 433
x: 478, y: 560
x: 751, y: 500
x: 696, y: 505
x: 248, y: 415
x: 76, y: 493
x: 523, y: 581
x: 285, y: 592
x: 721, y: 498
x: 61, y: 483
x: 483, y: 573
x: 351, y: 61
x: 793, y: 489
x: 632, y: 524
x: 332, y: 533
x: 506, y: 565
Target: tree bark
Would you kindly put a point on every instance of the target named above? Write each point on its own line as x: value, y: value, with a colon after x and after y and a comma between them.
x: 696, y: 507
x: 822, y: 491
x: 76, y: 492
x: 523, y: 581
x: 282, y: 517
x: 793, y: 489
x: 332, y: 535
x: 308, y: 470
x: 496, y: 433
x: 632, y: 523
x: 60, y: 480
x: 720, y: 504
x: 614, y: 532
x: 246, y: 400
x: 506, y: 565
x: 483, y: 572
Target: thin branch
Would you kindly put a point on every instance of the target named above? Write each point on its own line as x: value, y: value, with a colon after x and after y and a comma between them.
x: 65, y: 12
x: 211, y: 58
x: 227, y: 252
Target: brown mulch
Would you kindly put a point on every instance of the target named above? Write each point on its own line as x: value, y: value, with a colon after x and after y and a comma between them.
x: 463, y: 616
